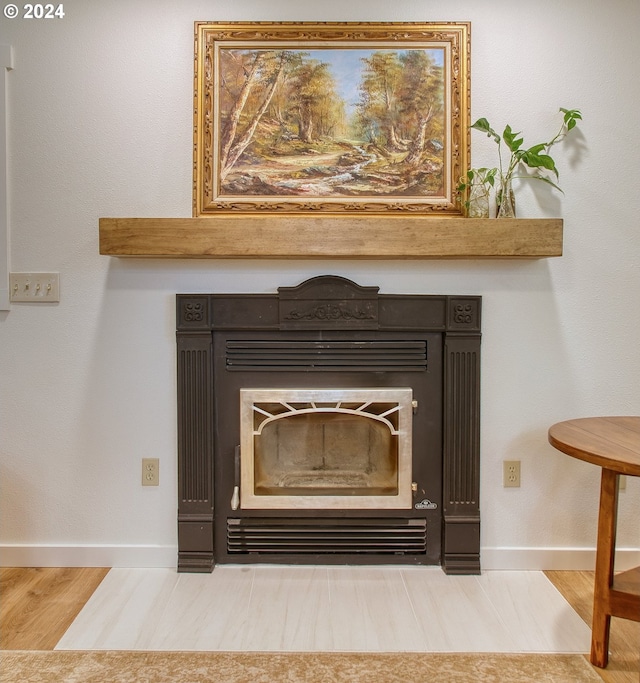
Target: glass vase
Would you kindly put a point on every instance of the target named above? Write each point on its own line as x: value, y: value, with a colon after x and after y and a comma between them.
x: 478, y: 202
x: 506, y: 200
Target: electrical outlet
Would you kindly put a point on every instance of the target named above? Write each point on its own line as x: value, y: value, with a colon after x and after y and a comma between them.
x: 511, y: 473
x: 150, y: 471
x: 34, y: 287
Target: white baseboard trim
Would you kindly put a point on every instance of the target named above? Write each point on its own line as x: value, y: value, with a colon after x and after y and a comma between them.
x: 491, y: 559
x: 88, y: 556
x: 583, y: 559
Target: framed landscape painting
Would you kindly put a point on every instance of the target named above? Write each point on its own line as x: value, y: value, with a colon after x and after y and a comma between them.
x: 330, y: 118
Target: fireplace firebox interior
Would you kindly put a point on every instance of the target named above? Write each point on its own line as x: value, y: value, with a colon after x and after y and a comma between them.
x: 328, y: 423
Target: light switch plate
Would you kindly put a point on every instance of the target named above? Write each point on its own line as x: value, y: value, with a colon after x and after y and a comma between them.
x: 34, y: 287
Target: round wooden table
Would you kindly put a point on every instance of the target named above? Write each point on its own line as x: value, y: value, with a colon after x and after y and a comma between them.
x: 612, y: 443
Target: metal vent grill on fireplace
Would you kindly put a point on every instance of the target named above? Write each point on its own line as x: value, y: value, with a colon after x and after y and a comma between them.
x: 327, y: 536
x: 327, y: 356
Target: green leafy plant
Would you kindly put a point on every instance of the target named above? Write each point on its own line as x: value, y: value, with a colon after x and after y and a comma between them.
x: 536, y: 157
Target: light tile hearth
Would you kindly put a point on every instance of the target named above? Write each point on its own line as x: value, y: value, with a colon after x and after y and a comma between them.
x: 320, y: 608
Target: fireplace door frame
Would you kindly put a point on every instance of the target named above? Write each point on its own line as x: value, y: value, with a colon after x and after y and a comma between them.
x: 401, y: 398
x: 326, y: 304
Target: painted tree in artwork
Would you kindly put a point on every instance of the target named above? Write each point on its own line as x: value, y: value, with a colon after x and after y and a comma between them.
x: 401, y: 101
x: 313, y: 100
x: 249, y: 81
x: 379, y: 92
x: 422, y: 101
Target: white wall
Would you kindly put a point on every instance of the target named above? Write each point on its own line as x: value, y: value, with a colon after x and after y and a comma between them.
x: 100, y: 124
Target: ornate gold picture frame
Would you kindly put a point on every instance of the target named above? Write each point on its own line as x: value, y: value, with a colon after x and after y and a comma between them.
x: 330, y: 118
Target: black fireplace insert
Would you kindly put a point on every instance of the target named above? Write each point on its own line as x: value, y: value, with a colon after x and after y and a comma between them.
x: 328, y: 423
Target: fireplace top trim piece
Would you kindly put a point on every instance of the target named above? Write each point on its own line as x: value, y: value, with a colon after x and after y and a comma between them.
x: 332, y: 237
x: 328, y: 303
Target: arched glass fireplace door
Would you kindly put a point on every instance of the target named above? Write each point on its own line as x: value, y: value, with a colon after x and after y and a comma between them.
x: 326, y: 448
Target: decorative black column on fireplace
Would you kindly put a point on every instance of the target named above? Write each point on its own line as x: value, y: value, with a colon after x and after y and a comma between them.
x: 325, y: 335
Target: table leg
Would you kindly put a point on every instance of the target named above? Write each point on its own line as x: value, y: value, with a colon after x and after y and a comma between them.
x: 605, y: 552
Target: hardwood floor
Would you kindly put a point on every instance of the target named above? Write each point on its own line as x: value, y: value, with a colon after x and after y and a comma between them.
x: 624, y: 643
x: 37, y: 605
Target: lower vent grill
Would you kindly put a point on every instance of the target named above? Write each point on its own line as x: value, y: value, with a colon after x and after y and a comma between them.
x: 327, y: 536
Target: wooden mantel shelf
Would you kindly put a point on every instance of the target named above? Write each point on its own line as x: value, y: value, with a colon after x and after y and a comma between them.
x: 331, y: 237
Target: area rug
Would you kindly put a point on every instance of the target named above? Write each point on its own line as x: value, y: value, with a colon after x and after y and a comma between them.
x: 317, y: 667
